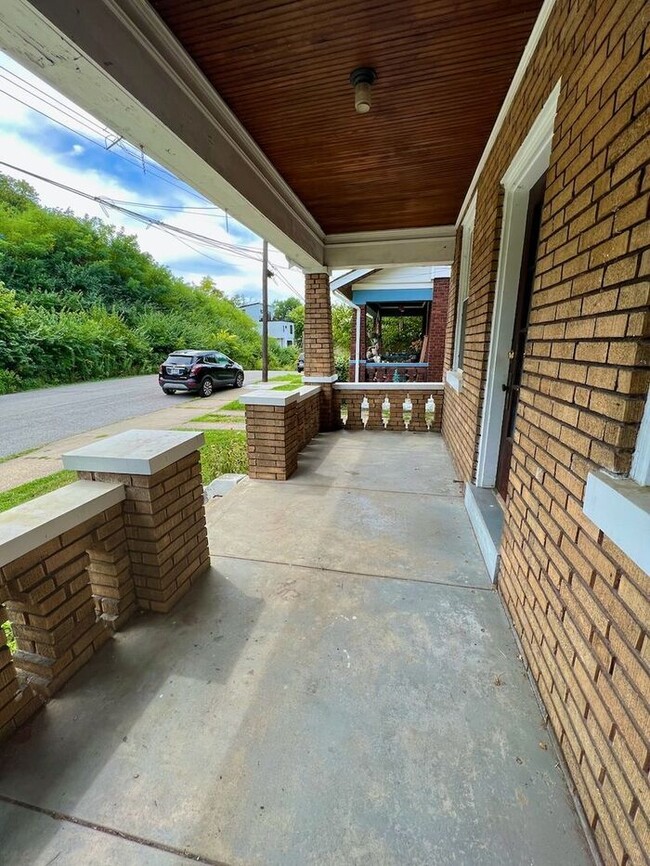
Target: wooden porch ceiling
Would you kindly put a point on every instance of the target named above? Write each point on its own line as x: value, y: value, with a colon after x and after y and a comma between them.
x: 444, y: 67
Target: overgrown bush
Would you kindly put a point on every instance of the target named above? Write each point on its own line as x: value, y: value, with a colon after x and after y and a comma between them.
x: 82, y: 302
x: 342, y: 367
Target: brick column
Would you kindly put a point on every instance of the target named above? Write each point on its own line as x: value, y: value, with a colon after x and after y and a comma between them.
x: 437, y: 329
x: 317, y: 336
x: 164, y: 512
x: 319, y: 346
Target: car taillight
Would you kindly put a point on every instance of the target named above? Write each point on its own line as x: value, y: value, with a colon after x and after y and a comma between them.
x: 194, y: 370
x: 160, y: 370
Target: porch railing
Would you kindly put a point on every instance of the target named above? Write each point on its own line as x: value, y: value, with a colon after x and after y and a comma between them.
x: 393, y: 372
x: 415, y: 406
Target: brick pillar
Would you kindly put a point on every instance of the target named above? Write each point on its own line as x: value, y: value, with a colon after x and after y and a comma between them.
x: 317, y: 336
x: 437, y: 329
x: 318, y: 344
x: 164, y: 512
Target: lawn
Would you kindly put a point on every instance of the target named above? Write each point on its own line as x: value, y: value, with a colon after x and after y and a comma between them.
x: 224, y: 451
x: 288, y: 377
x: 25, y: 492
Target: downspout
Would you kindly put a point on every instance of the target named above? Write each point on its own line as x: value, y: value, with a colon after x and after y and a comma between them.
x: 357, y: 349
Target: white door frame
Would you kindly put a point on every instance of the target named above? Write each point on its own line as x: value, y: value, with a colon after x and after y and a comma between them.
x: 529, y: 164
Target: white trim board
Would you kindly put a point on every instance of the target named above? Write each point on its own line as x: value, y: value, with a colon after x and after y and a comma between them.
x: 621, y: 509
x: 526, y: 57
x: 433, y: 245
x: 529, y: 164
x: 487, y: 518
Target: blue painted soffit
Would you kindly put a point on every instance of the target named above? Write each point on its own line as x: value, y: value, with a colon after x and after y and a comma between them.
x: 388, y: 296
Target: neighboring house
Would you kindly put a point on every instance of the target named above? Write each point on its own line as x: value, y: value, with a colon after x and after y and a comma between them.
x: 397, y: 293
x: 283, y: 332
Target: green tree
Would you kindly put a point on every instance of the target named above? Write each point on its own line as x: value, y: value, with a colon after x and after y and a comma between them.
x: 342, y: 317
x: 282, y: 309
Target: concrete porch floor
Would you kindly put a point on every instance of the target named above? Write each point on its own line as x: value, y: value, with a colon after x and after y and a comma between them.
x: 341, y: 688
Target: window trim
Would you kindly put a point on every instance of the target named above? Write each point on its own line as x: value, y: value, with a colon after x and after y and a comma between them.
x: 620, y: 507
x: 455, y: 375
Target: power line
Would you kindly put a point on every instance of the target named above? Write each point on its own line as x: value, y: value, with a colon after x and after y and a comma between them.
x: 244, y: 252
x: 127, y: 156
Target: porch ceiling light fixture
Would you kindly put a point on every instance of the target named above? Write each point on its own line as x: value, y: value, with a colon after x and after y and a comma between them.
x: 362, y: 79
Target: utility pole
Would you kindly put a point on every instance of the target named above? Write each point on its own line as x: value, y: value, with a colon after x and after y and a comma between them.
x: 265, y: 312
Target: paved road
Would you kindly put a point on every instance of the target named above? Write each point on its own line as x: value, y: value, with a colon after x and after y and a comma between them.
x: 35, y: 418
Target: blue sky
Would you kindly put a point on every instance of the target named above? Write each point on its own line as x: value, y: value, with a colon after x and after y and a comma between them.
x: 71, y: 147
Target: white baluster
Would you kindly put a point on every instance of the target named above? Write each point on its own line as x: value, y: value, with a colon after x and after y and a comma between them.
x: 407, y: 411
x: 429, y: 411
x: 385, y: 411
x: 365, y: 411
x: 344, y: 413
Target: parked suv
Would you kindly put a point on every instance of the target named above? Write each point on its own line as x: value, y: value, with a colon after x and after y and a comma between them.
x: 199, y: 371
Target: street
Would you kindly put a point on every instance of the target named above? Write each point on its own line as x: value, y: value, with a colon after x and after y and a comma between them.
x: 34, y: 418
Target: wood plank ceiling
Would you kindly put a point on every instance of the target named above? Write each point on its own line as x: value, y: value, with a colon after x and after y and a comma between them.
x: 443, y: 66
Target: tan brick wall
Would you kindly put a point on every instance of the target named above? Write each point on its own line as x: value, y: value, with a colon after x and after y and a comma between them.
x: 18, y: 702
x: 275, y: 436
x: 352, y: 400
x: 54, y: 606
x: 165, y: 531
x: 317, y: 336
x: 579, y: 605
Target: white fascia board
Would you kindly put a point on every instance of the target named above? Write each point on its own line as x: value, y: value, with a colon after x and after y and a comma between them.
x: 389, y: 386
x: 526, y: 57
x: 351, y: 277
x: 621, y: 509
x: 28, y: 526
x: 433, y: 245
x: 118, y: 60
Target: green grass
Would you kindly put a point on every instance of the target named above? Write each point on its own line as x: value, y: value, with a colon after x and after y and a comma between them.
x: 288, y: 377
x: 233, y: 406
x: 222, y: 418
x: 25, y: 492
x: 19, y: 454
x: 224, y: 451
x: 290, y: 386
x: 9, y: 634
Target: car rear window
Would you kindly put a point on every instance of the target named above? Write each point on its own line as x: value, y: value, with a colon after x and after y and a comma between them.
x: 179, y: 360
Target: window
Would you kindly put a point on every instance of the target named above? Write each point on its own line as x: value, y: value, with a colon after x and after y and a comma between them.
x: 467, y: 239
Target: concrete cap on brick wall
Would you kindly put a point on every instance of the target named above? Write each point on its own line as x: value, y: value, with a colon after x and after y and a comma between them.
x: 268, y: 398
x: 134, y: 452
x: 27, y: 526
x: 389, y: 386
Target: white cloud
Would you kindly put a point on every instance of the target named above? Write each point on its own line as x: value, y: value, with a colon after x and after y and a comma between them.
x: 24, y: 144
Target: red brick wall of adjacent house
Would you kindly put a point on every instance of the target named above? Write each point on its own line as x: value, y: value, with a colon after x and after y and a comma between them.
x: 437, y: 329
x: 580, y: 607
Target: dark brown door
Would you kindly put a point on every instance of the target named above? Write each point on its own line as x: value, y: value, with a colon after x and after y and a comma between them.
x: 520, y: 332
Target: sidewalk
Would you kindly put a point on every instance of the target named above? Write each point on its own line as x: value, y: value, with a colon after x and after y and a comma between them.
x: 47, y: 459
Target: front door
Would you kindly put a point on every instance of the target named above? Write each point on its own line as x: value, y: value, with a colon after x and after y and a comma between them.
x: 520, y: 332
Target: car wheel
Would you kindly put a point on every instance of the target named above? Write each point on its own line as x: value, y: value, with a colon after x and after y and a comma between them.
x: 239, y: 380
x: 206, y: 387
x: 169, y: 391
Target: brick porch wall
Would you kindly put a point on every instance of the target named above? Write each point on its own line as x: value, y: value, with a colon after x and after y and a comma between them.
x: 275, y: 435
x: 579, y: 605
x: 352, y: 399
